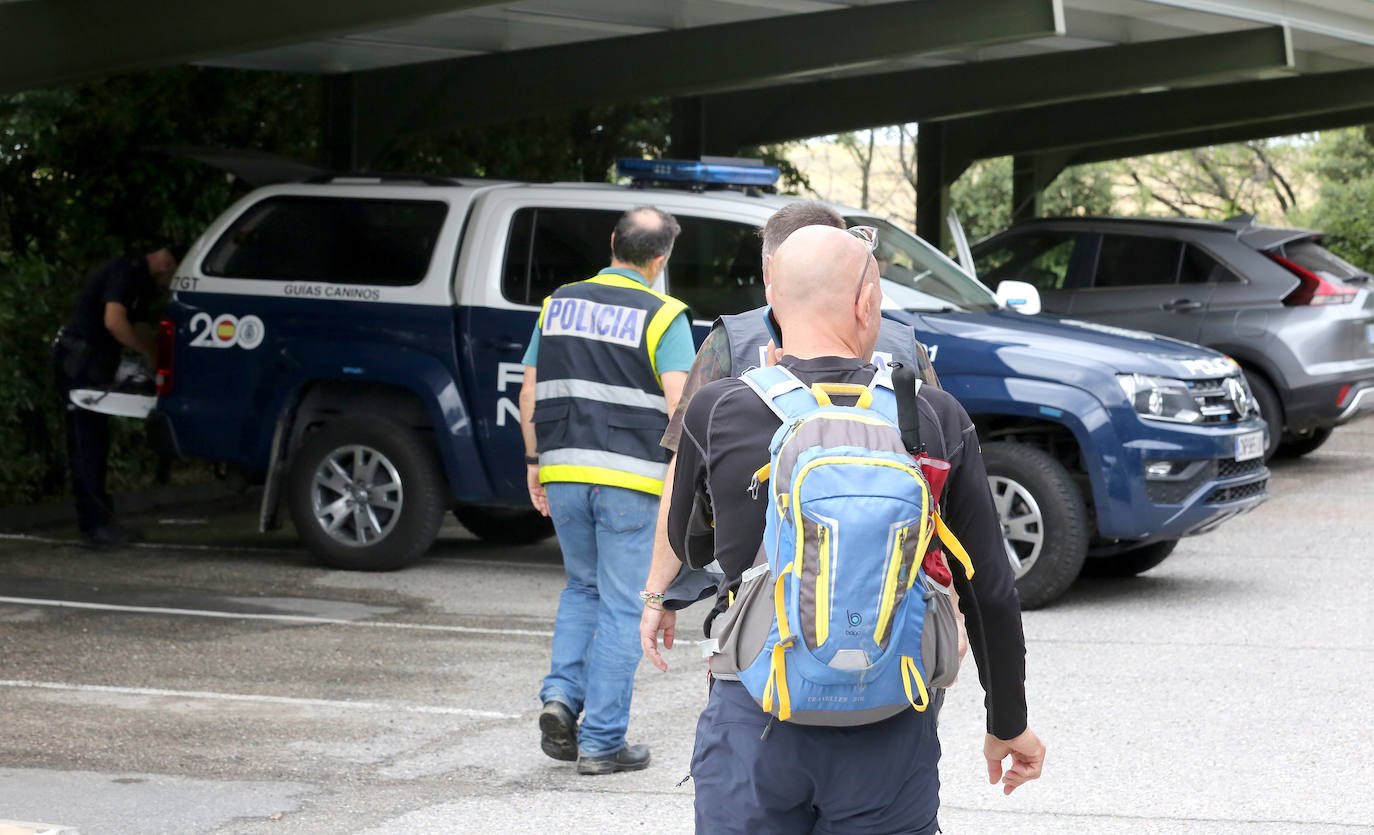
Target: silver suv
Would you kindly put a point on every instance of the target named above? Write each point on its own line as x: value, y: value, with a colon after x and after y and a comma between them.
x: 1299, y: 319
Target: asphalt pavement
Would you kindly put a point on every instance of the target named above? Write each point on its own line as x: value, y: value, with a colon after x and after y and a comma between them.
x: 218, y: 681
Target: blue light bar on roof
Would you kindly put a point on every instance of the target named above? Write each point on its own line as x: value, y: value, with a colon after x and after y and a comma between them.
x: 692, y: 171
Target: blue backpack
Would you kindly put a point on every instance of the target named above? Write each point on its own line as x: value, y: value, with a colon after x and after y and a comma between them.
x: 856, y: 630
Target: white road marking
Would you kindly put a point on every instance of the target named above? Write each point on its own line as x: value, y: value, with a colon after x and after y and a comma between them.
x: 303, y: 619
x: 251, y: 549
x: 248, y: 697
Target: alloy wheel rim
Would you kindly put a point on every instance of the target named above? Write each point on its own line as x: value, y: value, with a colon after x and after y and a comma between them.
x: 1023, y: 524
x: 356, y: 495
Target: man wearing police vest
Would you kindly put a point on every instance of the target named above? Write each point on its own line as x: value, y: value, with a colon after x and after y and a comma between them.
x: 604, y: 370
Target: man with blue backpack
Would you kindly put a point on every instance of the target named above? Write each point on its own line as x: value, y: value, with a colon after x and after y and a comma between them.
x: 834, y: 631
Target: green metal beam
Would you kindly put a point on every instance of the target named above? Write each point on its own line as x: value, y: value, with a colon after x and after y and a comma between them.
x: 1145, y: 115
x: 46, y: 42
x: 512, y: 85
x: 1282, y: 126
x: 772, y: 114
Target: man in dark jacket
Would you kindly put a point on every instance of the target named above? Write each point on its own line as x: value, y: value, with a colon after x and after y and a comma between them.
x: 118, y: 296
x: 881, y: 777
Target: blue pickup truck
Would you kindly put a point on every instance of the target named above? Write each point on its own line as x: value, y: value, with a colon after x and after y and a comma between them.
x: 356, y: 343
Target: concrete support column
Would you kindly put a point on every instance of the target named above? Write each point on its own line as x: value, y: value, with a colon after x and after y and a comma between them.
x: 687, y: 130
x: 1026, y: 188
x: 932, y: 183
x: 339, y: 123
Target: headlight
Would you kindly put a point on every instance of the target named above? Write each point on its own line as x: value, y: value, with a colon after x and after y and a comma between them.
x: 1160, y: 398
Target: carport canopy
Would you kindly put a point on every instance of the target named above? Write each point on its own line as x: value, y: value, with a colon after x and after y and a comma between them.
x: 1051, y: 82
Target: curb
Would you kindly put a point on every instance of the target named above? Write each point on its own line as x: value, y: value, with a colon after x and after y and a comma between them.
x: 23, y: 518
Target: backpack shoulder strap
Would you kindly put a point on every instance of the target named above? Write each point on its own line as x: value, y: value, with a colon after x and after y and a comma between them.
x: 787, y: 396
x: 906, y: 385
x: 884, y: 399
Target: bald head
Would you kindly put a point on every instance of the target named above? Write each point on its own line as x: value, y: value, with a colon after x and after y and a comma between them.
x: 816, y: 292
x: 818, y: 268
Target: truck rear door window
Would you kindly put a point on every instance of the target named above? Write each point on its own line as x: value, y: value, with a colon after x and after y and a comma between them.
x: 330, y: 239
x: 715, y: 266
x: 548, y: 248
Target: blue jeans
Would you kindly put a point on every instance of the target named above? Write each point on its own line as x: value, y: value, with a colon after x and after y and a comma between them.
x: 607, y: 537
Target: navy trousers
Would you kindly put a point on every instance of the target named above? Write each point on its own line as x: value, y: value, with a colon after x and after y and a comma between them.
x: 878, y: 778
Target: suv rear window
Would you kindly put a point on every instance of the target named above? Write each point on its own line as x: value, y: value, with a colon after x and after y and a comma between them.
x: 1316, y: 258
x: 330, y: 239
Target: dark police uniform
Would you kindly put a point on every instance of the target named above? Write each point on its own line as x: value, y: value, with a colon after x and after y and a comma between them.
x: 86, y: 354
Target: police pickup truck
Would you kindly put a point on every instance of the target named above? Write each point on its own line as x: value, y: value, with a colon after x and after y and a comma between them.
x: 356, y: 343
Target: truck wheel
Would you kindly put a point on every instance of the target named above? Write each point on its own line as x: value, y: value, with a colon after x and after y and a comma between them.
x: 1297, y: 447
x: 1130, y: 563
x: 366, y: 494
x: 1269, y: 408
x: 1044, y: 520
x: 505, y: 526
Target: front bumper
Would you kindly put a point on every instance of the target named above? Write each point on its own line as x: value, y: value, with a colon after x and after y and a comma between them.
x: 1209, y: 486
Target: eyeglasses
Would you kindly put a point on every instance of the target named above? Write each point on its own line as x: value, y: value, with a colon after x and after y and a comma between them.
x: 869, y: 235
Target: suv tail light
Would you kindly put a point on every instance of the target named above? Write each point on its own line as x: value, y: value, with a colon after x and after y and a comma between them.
x: 166, y: 353
x: 1313, y: 289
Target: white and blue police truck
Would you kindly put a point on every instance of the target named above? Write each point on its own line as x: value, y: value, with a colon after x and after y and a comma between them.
x: 356, y: 343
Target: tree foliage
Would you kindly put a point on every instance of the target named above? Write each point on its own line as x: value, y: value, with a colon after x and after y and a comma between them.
x: 78, y: 185
x: 1343, y: 164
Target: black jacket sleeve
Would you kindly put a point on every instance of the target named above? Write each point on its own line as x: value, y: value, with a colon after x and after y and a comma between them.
x: 992, y: 610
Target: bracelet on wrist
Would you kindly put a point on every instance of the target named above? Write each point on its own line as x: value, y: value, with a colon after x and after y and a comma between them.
x: 655, y: 596
x: 531, y: 459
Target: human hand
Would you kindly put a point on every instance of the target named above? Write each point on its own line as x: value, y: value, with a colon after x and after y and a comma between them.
x: 538, y: 497
x: 651, y: 623
x: 1027, y: 754
x: 773, y: 355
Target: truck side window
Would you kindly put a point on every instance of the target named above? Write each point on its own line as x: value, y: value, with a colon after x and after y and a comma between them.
x: 1040, y: 258
x: 548, y: 248
x: 1136, y: 261
x: 330, y: 239
x: 716, y: 267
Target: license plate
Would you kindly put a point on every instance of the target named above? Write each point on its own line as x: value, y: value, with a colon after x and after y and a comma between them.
x: 1250, y: 445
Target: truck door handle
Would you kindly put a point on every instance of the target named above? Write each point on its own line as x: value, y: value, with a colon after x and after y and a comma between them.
x: 501, y: 345
x: 1180, y: 305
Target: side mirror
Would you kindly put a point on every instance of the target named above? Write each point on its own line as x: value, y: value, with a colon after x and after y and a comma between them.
x: 1019, y: 296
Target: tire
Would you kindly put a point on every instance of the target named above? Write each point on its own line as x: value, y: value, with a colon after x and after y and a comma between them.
x: 505, y: 526
x: 1035, y: 493
x: 1132, y: 562
x: 1298, y: 447
x: 1269, y: 408
x: 392, y: 471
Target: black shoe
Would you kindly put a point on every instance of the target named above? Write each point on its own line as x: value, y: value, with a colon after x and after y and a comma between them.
x: 107, y: 537
x: 629, y: 758
x: 558, y: 731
